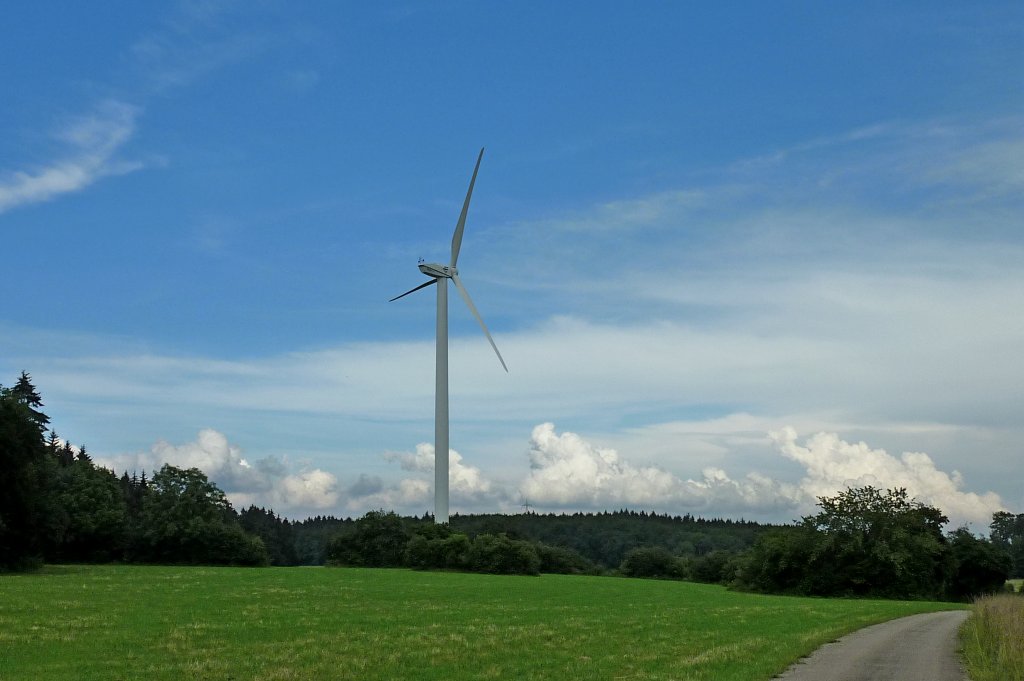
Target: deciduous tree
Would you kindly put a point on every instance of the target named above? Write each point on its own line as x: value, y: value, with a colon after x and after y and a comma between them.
x: 979, y: 566
x: 863, y: 542
x: 188, y: 519
x: 1007, y: 532
x: 378, y: 539
x: 94, y: 514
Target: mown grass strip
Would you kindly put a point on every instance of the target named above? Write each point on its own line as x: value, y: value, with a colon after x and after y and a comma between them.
x: 993, y: 639
x: 129, y: 622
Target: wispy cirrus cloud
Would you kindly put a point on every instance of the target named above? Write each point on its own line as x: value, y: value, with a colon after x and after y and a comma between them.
x: 91, y: 145
x: 194, y: 39
x: 173, y: 60
x: 197, y: 39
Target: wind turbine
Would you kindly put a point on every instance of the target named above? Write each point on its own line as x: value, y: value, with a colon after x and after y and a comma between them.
x: 439, y: 275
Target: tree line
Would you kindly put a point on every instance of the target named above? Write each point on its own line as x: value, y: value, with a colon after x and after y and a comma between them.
x: 56, y: 505
x: 864, y: 542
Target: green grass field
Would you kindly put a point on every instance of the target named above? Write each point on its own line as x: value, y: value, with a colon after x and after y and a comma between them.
x: 130, y: 622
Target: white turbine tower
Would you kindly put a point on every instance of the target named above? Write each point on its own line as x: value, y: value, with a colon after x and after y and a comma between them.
x: 440, y: 274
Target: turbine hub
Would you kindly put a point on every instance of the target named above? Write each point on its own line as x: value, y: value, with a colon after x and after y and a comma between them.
x: 437, y: 270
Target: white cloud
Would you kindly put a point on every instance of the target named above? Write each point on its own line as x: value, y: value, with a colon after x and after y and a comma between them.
x: 406, y: 495
x: 567, y: 472
x: 266, y: 482
x: 832, y: 465
x: 93, y: 142
x: 469, y: 488
x: 465, y: 482
x: 308, y: 489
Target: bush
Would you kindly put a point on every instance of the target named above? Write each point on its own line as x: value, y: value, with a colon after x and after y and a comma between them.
x: 778, y: 561
x: 563, y: 561
x: 717, y: 567
x: 497, y: 554
x: 444, y: 553
x: 232, y: 545
x: 653, y: 561
x: 378, y: 539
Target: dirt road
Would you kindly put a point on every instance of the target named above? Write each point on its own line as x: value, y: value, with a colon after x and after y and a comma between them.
x: 916, y: 648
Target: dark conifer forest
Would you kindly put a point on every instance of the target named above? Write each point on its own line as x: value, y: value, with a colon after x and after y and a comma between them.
x: 58, y: 506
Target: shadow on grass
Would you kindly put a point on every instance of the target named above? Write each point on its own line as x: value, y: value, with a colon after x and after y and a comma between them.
x: 46, y: 571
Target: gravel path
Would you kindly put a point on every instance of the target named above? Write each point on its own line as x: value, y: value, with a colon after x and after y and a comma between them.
x: 915, y: 648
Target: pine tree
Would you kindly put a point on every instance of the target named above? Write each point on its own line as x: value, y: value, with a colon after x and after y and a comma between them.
x: 66, y: 455
x: 26, y: 476
x: 25, y: 392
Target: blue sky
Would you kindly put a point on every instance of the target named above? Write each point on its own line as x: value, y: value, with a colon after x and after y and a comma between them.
x: 735, y: 256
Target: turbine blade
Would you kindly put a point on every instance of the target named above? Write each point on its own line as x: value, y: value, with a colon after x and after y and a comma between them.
x: 457, y: 237
x: 423, y: 285
x: 472, y: 308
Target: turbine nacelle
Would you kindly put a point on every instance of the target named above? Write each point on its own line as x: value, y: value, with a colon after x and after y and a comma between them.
x: 437, y: 270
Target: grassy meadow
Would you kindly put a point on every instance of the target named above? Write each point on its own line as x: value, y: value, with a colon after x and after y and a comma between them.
x: 133, y: 622
x: 993, y: 640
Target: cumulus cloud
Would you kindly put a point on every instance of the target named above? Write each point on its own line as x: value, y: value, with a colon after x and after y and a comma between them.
x: 93, y: 141
x: 464, y: 480
x: 265, y: 482
x: 569, y: 472
x: 372, y: 492
x: 468, y: 486
x: 832, y: 465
